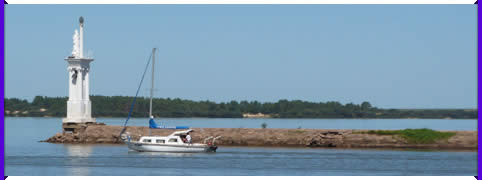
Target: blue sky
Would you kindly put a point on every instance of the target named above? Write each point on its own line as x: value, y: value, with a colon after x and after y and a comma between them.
x: 394, y: 56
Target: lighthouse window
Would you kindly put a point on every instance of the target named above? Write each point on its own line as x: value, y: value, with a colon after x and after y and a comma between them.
x: 146, y: 140
x: 172, y: 140
x: 160, y: 141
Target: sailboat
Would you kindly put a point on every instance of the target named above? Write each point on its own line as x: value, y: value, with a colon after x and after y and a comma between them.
x: 175, y: 142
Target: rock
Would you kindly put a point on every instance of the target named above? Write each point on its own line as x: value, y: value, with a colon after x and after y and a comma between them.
x: 98, y: 133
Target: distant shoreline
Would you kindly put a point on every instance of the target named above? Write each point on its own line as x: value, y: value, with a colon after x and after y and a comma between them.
x: 121, y: 117
x: 119, y: 106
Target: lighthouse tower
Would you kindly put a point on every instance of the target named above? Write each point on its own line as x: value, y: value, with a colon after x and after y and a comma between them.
x: 78, y: 105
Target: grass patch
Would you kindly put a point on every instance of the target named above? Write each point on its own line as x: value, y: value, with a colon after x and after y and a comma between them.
x: 415, y: 136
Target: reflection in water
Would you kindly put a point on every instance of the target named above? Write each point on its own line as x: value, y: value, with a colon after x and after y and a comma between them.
x: 77, y: 160
x: 162, y: 154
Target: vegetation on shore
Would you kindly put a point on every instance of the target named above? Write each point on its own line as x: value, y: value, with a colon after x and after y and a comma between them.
x: 118, y: 106
x: 415, y: 136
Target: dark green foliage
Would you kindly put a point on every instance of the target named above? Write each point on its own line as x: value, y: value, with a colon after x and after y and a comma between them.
x: 383, y: 132
x: 424, y: 136
x: 416, y: 136
x: 118, y: 106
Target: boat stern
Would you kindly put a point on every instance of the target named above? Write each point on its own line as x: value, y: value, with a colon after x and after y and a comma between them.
x: 212, y: 149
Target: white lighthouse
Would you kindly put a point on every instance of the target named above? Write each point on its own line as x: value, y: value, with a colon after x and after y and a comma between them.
x: 78, y: 105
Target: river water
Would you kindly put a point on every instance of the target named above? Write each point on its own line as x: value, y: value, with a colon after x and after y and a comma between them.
x: 24, y: 155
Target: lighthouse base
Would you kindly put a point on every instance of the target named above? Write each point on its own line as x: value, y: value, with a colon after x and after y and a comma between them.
x: 77, y: 127
x: 75, y: 124
x: 78, y: 120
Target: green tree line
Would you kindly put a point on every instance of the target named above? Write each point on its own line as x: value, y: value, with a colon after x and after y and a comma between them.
x: 118, y: 106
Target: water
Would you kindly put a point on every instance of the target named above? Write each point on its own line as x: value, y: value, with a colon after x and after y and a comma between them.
x: 24, y: 155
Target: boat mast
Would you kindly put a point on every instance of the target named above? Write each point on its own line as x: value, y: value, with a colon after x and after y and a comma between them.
x: 152, y: 86
x: 152, y: 80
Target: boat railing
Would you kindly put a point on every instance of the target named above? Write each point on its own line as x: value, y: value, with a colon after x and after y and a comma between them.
x: 208, y: 138
x: 125, y: 137
x: 214, y: 140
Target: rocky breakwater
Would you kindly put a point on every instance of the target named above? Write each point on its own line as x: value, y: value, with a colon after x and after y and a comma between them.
x: 92, y: 134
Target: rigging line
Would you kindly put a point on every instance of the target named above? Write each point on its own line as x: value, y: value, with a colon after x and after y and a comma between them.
x: 137, y: 92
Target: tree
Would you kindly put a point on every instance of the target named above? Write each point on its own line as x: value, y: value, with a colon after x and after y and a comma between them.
x: 264, y: 125
x: 365, y: 106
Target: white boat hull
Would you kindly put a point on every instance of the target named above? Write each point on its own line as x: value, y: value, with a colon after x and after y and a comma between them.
x: 185, y: 148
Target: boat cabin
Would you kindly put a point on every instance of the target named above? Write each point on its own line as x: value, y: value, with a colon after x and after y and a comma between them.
x: 177, y: 137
